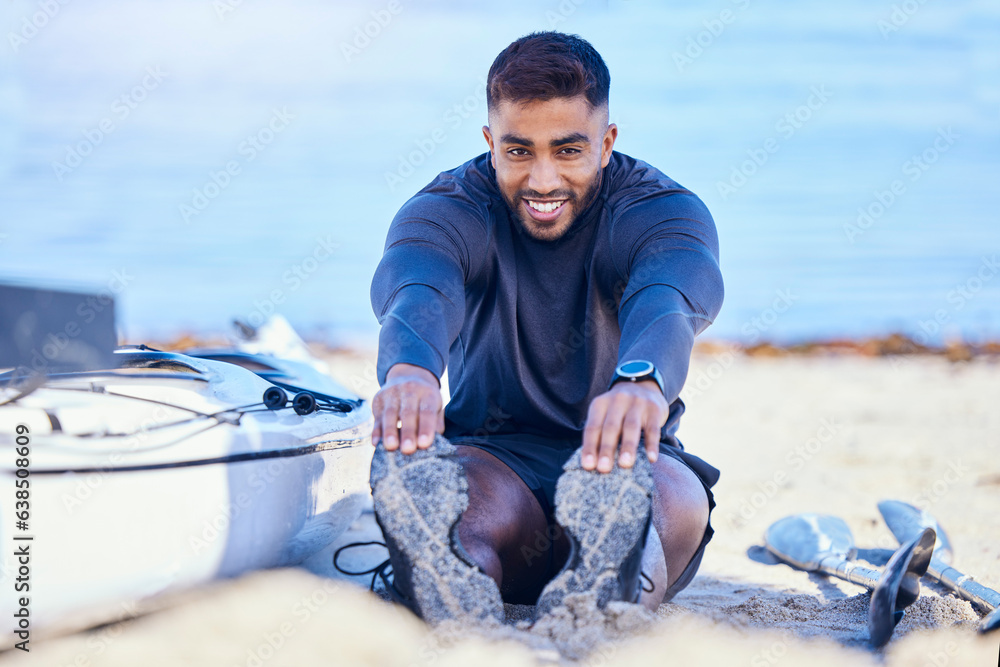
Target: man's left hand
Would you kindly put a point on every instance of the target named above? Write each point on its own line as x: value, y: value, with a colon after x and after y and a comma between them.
x: 621, y: 415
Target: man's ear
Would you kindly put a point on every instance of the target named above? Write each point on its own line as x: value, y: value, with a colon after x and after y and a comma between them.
x: 489, y: 142
x: 608, y: 144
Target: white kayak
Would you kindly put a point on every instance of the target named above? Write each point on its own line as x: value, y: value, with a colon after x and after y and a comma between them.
x: 170, y: 471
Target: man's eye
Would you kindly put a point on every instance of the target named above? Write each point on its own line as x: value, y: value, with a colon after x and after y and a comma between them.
x: 517, y: 151
x: 571, y: 151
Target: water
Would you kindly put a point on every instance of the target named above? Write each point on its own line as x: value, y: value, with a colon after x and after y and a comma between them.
x: 299, y: 225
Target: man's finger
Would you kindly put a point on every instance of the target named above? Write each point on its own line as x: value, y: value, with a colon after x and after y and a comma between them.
x: 428, y: 420
x: 611, y: 432
x: 631, y: 429
x: 592, y: 432
x: 377, y: 418
x: 408, y: 415
x: 390, y: 431
x: 652, y: 432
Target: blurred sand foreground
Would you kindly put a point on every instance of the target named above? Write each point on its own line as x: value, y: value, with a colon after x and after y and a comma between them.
x: 824, y: 434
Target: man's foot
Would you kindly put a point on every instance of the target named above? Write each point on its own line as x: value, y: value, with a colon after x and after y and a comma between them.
x: 419, y: 499
x: 606, y: 516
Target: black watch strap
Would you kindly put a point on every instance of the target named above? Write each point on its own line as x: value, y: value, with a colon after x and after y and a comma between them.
x: 637, y: 370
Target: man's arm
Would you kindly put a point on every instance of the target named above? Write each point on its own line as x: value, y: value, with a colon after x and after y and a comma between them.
x: 418, y: 295
x: 674, y: 291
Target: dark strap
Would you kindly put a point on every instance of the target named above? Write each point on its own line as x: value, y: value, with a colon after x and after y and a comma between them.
x: 376, y: 571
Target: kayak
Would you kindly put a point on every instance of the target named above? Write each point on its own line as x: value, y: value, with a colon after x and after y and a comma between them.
x: 166, y: 470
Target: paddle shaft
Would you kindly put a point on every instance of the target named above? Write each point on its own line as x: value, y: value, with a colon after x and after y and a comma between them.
x: 991, y: 622
x: 849, y: 571
x: 985, y: 598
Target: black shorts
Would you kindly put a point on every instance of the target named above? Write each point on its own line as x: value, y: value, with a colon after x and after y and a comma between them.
x: 538, y: 461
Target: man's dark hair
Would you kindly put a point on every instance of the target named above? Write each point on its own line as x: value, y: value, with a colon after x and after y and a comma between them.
x: 547, y: 65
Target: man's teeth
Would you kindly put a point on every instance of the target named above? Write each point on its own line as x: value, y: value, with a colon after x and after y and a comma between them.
x: 545, y: 207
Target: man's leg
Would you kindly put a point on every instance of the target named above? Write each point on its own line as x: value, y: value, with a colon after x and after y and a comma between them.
x: 505, y: 529
x: 680, y: 517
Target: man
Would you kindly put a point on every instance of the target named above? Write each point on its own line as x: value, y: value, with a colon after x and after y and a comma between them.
x: 562, y: 285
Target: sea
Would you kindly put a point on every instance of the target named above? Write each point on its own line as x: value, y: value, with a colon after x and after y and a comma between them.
x: 211, y: 160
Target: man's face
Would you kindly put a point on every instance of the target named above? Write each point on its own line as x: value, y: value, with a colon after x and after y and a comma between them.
x: 548, y: 157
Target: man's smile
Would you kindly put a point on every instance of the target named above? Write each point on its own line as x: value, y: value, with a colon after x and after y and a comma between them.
x: 543, y: 210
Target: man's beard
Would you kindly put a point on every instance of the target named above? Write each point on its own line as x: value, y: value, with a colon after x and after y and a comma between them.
x: 533, y: 228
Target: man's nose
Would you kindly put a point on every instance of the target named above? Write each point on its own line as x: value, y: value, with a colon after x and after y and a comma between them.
x: 544, y: 177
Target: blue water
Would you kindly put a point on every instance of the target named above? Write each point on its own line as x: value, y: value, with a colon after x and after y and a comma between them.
x: 695, y: 91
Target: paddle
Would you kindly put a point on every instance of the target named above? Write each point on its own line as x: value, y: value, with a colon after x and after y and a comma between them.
x: 822, y: 543
x: 905, y: 521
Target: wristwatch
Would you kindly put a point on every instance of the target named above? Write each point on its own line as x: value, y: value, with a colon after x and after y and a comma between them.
x: 637, y: 370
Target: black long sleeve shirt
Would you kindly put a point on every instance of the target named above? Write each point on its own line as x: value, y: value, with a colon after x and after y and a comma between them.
x: 531, y: 331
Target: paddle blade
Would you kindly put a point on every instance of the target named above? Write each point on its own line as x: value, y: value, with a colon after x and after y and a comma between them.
x: 907, y: 522
x: 899, y: 586
x: 804, y: 540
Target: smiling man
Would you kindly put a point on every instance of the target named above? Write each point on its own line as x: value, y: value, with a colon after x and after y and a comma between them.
x: 561, y: 284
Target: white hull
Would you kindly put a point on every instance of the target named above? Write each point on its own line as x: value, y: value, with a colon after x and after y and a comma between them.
x: 162, y: 499
x: 113, y: 540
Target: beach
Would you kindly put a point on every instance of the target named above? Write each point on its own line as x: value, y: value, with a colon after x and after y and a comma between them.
x: 183, y: 165
x: 826, y: 433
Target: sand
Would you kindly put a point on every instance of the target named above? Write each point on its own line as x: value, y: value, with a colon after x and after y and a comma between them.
x: 790, y: 434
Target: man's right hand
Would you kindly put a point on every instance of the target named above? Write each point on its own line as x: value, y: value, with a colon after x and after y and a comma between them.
x: 408, y: 409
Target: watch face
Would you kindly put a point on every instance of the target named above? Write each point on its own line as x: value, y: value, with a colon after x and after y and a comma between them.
x: 635, y: 368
